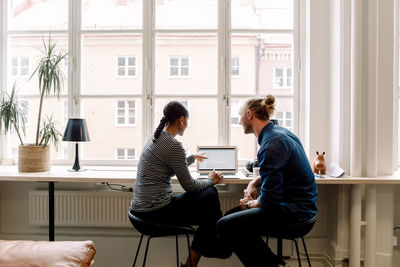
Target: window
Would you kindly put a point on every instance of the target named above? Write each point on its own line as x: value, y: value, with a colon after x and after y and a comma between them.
x: 235, y: 69
x: 179, y: 66
x: 125, y: 153
x: 284, y: 119
x: 126, y: 66
x: 126, y: 113
x: 20, y: 66
x: 283, y: 78
x: 129, y: 58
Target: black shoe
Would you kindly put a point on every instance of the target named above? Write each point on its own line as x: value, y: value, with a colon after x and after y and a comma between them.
x: 182, y: 265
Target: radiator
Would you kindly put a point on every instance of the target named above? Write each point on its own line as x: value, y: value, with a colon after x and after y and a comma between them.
x: 93, y: 208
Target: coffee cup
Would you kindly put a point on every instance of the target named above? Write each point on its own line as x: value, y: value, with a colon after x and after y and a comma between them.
x: 256, y: 171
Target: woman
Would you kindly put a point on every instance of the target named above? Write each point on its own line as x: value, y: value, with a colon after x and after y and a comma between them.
x: 288, y: 193
x: 162, y: 157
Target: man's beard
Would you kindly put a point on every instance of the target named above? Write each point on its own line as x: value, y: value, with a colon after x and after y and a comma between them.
x: 247, y: 129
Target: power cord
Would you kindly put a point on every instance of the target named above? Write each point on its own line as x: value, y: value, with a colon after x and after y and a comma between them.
x: 122, y: 188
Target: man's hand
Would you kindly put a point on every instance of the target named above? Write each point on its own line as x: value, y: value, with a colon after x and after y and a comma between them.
x: 244, y: 201
x: 200, y: 157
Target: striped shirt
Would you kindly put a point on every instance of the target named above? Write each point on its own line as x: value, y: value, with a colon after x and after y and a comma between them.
x: 158, y: 162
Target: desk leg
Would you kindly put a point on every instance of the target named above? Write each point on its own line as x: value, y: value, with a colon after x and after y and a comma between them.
x: 279, y: 247
x: 51, y: 211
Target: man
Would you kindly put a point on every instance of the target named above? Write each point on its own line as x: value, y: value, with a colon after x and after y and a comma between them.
x: 288, y: 193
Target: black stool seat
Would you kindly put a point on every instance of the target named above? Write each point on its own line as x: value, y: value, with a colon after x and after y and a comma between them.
x: 291, y: 232
x: 153, y: 229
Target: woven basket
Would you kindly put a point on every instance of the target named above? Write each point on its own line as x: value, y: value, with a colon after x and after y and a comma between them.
x: 32, y: 158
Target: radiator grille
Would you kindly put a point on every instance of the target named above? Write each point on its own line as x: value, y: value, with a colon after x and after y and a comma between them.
x: 92, y: 208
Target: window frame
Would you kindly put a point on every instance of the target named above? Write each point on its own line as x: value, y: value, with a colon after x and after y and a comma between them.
x: 126, y: 113
x: 147, y: 67
x: 179, y: 76
x: 285, y: 78
x: 19, y: 66
x: 126, y: 67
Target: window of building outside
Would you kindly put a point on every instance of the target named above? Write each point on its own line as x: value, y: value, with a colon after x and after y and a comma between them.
x: 19, y: 66
x: 126, y: 113
x: 284, y: 119
x: 283, y: 77
x: 235, y: 69
x: 25, y: 110
x: 184, y: 62
x: 126, y: 66
x: 125, y: 153
x: 179, y: 66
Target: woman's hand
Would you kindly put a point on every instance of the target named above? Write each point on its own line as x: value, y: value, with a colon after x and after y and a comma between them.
x: 200, y: 157
x: 215, y: 176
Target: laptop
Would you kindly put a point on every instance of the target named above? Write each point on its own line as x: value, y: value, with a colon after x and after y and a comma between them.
x: 220, y: 158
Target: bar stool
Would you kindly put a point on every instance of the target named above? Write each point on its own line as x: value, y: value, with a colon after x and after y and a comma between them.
x: 153, y: 230
x: 292, y: 232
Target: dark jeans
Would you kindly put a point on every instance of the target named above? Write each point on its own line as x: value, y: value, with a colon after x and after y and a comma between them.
x: 242, y: 231
x: 194, y: 208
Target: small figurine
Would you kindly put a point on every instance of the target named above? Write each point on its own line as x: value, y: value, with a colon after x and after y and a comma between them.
x: 319, y: 166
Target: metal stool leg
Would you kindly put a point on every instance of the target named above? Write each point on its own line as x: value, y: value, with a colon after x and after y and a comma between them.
x: 177, y: 251
x: 190, y: 254
x: 137, y: 251
x: 147, y: 248
x: 279, y: 246
x: 298, y: 253
x: 305, y: 249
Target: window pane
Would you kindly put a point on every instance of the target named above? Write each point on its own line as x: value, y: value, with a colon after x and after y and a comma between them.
x: 202, y: 49
x: 184, y: 61
x: 186, y: 14
x: 262, y: 14
x: 261, y: 82
x: 131, y: 61
x: 29, y: 15
x: 121, y: 61
x: 103, y: 143
x: 99, y: 53
x: 174, y: 61
x: 112, y: 14
x: 202, y: 112
x: 278, y: 72
x: 28, y: 49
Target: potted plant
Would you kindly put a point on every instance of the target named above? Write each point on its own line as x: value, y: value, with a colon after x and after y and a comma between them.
x: 36, y: 157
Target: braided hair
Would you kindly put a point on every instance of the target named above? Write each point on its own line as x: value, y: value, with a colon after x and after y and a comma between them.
x: 172, y: 111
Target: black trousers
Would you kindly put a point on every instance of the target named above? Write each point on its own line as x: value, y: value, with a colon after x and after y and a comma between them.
x: 242, y: 231
x: 194, y: 208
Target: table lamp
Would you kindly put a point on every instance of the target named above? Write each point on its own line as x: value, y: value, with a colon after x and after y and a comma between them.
x: 76, y: 131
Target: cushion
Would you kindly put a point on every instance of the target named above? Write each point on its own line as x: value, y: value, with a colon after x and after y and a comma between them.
x: 46, y: 254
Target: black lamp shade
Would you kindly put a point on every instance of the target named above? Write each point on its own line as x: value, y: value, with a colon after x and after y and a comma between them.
x: 76, y: 131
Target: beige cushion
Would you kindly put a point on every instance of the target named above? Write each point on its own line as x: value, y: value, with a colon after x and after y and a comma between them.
x: 45, y: 253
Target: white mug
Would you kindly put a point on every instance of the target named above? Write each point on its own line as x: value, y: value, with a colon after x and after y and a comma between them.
x: 256, y: 171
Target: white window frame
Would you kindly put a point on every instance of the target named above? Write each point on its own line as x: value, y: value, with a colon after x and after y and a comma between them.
x: 126, y: 67
x: 19, y: 67
x: 147, y: 96
x: 179, y: 76
x: 285, y: 77
x: 126, y: 157
x: 126, y: 113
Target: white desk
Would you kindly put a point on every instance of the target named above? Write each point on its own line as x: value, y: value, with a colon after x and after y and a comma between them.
x: 128, y: 175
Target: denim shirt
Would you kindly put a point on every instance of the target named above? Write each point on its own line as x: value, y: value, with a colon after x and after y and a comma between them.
x: 287, y: 181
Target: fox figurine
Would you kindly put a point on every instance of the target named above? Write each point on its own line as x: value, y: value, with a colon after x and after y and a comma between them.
x: 319, y: 166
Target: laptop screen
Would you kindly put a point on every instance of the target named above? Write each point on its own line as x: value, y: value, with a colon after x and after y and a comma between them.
x: 219, y: 158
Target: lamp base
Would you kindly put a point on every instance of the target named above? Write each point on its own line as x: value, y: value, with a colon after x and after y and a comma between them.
x: 80, y: 170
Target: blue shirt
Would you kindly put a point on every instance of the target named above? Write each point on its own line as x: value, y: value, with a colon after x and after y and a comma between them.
x: 287, y: 181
